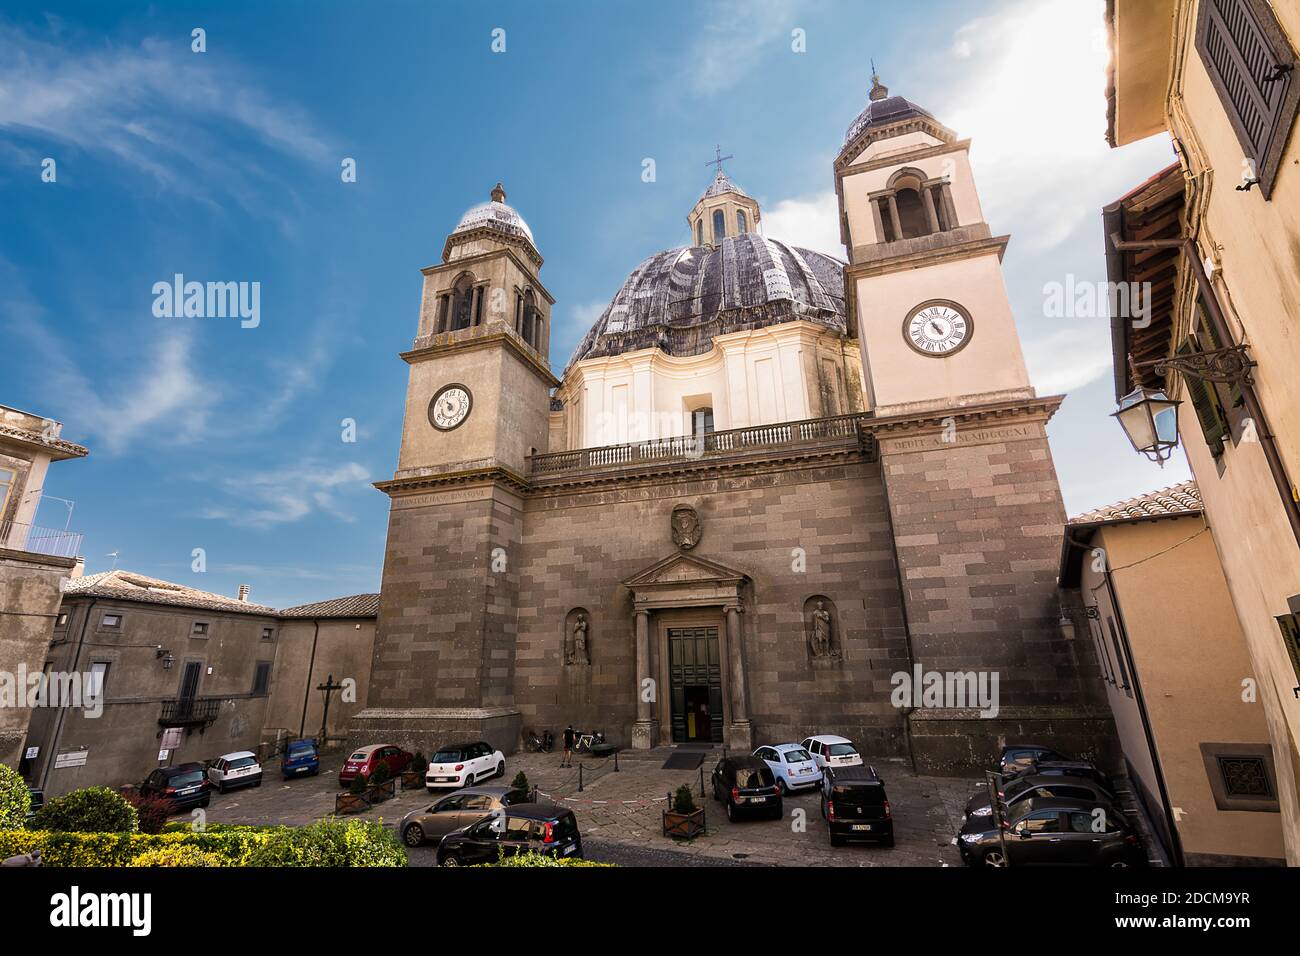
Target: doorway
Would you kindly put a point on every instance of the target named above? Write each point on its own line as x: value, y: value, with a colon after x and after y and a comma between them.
x: 695, y: 682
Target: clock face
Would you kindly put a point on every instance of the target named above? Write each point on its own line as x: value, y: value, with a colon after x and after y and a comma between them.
x: 938, y: 328
x: 450, y: 407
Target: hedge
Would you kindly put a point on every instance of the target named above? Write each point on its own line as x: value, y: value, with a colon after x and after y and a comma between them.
x: 58, y: 848
x: 15, y: 798
x: 542, y: 859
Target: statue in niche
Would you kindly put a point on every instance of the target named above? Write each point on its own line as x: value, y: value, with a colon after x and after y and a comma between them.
x: 578, y: 651
x: 685, y: 527
x: 823, y: 633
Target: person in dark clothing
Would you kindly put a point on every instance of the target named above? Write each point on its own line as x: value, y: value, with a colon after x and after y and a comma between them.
x: 569, y: 737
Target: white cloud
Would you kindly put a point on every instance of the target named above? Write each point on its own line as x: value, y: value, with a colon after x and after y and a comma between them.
x: 289, y: 494
x: 731, y: 43
x: 1069, y: 358
x: 810, y: 223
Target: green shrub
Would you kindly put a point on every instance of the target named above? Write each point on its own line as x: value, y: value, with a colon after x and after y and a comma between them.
x: 521, y: 782
x: 92, y: 810
x: 178, y: 855
x: 684, y: 800
x: 542, y: 859
x: 331, y: 842
x: 151, y: 811
x: 119, y: 849
x: 359, y: 784
x: 382, y: 774
x: 15, y: 799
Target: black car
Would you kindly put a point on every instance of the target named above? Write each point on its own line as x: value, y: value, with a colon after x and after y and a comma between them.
x: 746, y: 785
x: 183, y: 786
x: 1013, y: 790
x: 855, y: 806
x: 1016, y: 758
x: 1051, y: 832
x: 541, y: 827
x: 455, y: 812
x: 1071, y: 768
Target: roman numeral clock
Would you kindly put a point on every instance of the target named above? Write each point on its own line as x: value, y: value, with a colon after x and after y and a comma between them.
x: 938, y: 328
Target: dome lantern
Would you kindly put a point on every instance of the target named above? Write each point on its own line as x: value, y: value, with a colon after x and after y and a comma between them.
x: 723, y: 210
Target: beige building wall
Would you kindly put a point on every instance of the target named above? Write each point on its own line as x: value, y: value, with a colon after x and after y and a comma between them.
x: 1191, y: 661
x: 307, y: 653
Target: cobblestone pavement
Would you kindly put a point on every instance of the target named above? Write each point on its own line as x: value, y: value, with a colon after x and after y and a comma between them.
x: 619, y: 813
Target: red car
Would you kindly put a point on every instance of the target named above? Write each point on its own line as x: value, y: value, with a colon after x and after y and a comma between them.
x: 366, y: 759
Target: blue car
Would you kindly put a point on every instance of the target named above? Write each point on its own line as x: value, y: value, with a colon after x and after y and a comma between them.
x: 793, y: 767
x: 300, y: 757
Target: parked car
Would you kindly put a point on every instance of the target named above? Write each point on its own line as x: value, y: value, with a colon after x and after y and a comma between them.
x: 1014, y: 790
x: 300, y: 757
x: 238, y: 769
x: 455, y: 812
x: 831, y: 751
x: 1051, y: 832
x: 541, y: 827
x: 183, y: 786
x: 793, y: 767
x: 1017, y: 758
x: 746, y: 785
x: 463, y: 765
x: 1071, y: 768
x: 365, y: 759
x: 855, y: 806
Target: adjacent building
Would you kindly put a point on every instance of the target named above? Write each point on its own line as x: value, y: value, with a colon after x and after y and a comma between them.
x: 1178, y: 676
x: 1213, y: 240
x: 35, y: 562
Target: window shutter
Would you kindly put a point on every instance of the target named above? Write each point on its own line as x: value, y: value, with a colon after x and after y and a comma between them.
x: 1214, y: 424
x: 1231, y: 392
x: 1290, y: 627
x: 1248, y: 56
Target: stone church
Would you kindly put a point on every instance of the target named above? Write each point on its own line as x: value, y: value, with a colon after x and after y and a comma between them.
x: 767, y: 485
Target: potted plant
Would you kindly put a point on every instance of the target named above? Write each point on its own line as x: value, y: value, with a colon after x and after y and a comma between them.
x: 683, y: 820
x: 354, y: 799
x: 521, y: 783
x: 413, y: 775
x: 382, y: 786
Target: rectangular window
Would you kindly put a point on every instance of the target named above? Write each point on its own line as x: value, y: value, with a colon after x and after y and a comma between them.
x: 111, y: 621
x: 1119, y: 656
x: 6, y: 482
x: 97, y: 680
x: 1103, y: 656
x: 61, y: 620
x: 200, y: 629
x: 262, y: 679
x: 1252, y: 67
x: 268, y: 633
x: 1209, y: 412
x: 1289, y: 624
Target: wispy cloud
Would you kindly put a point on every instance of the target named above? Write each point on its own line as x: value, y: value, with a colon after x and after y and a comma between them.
x: 811, y: 222
x: 268, y: 498
x: 156, y: 107
x: 1069, y: 358
x: 733, y: 38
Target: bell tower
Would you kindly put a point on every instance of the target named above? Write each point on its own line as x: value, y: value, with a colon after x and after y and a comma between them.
x: 924, y: 282
x: 477, y: 405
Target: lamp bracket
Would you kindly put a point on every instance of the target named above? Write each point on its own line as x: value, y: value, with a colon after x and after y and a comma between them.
x: 1231, y: 365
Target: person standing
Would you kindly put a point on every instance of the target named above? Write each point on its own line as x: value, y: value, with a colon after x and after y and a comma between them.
x: 569, y: 737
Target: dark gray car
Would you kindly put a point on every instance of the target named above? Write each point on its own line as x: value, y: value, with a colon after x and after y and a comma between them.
x: 458, y: 809
x: 1032, y: 786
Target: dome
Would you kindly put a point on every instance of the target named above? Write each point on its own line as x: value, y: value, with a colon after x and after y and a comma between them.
x: 722, y: 184
x: 495, y: 215
x: 680, y: 300
x: 883, y: 109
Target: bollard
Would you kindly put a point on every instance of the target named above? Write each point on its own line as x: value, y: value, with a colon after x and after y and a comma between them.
x: 616, y: 761
x: 701, y: 780
x: 580, y: 776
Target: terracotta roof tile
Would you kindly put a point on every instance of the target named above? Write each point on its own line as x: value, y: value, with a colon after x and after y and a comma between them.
x: 357, y: 605
x: 127, y: 585
x: 1182, y: 499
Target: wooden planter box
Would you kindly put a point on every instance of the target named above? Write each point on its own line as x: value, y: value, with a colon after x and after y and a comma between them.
x: 379, y: 792
x: 347, y: 802
x: 412, y: 780
x: 683, y: 826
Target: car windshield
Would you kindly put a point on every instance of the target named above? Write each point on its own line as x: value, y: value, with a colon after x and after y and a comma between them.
x: 240, y: 762
x: 298, y: 749
x: 564, y: 827
x: 446, y: 756
x: 751, y: 777
x: 841, y: 750
x: 1015, y: 789
x: 796, y: 756
x: 186, y: 779
x: 511, y: 797
x: 359, y: 755
x: 857, y: 793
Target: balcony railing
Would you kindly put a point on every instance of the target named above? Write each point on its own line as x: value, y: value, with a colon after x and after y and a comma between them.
x: 27, y: 537
x: 187, y: 711
x: 735, y: 441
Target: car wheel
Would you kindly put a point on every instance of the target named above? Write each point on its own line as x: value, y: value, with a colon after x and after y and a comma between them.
x: 206, y: 802
x: 258, y: 783
x: 779, y: 812
x: 836, y: 841
x: 469, y: 780
x: 781, y: 787
x: 221, y: 788
x: 413, y: 835
x: 995, y: 858
x: 731, y: 811
x: 887, y: 841
x: 451, y: 859
x: 823, y: 806
x: 501, y: 769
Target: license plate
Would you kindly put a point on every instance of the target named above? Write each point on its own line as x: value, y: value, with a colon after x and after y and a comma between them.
x: 569, y: 850
x: 862, y: 826
x: 186, y: 793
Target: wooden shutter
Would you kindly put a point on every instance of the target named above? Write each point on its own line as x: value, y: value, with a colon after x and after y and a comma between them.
x: 1214, y: 423
x: 1247, y: 56
x: 1290, y: 627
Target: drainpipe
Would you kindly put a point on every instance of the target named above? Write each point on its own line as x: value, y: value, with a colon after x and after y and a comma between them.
x: 306, y: 694
x: 1253, y: 408
x: 58, y: 721
x: 1175, y: 841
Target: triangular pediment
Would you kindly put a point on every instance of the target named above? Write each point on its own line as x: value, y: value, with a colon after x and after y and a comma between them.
x: 682, y: 568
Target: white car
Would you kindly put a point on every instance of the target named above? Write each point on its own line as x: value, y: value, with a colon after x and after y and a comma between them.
x: 793, y: 767
x: 238, y: 769
x: 463, y: 765
x: 831, y: 751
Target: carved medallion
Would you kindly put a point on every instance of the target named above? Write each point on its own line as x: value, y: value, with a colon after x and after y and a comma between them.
x: 685, y: 527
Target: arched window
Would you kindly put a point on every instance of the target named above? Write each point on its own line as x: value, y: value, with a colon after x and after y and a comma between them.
x: 462, y: 302
x: 719, y: 226
x: 529, y: 330
x: 741, y: 226
x: 911, y: 214
x: 699, y: 231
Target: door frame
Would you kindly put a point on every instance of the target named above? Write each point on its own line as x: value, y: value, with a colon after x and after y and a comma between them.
x: 665, y: 618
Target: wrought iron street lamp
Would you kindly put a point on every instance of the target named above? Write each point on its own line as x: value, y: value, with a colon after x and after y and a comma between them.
x: 1150, y: 420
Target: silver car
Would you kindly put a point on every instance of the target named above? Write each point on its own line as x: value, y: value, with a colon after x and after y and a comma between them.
x: 793, y: 767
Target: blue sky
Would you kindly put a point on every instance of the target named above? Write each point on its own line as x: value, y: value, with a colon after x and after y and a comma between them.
x: 225, y: 165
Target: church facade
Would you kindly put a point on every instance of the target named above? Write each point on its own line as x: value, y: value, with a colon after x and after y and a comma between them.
x: 769, y: 492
